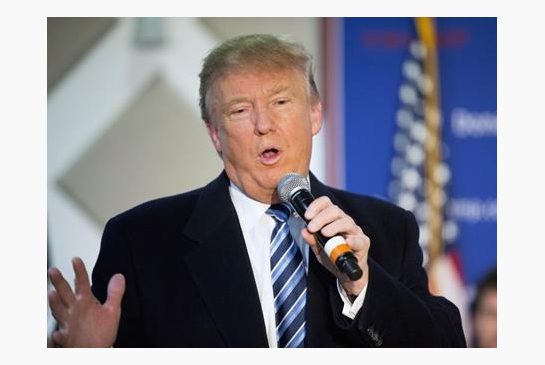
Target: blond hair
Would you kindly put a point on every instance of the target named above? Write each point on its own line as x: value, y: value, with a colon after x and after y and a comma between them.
x: 261, y: 51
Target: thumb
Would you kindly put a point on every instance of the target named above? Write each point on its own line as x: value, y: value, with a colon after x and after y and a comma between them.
x: 116, y: 288
x: 309, y: 237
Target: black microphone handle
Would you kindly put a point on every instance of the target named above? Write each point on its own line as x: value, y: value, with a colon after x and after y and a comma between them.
x: 347, y: 262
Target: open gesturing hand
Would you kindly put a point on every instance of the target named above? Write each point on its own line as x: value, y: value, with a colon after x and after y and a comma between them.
x: 83, y: 320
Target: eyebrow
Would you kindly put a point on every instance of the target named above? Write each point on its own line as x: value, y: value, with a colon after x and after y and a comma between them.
x: 275, y: 90
x: 278, y: 89
x: 235, y: 101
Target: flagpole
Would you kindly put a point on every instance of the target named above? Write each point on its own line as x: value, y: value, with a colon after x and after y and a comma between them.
x: 434, y: 191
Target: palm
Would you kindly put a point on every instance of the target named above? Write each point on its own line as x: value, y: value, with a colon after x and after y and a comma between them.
x: 83, y: 320
x: 91, y: 323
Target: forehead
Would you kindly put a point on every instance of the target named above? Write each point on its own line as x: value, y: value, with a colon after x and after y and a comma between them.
x: 241, y: 82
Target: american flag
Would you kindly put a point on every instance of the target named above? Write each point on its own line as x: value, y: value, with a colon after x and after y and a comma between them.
x: 420, y: 174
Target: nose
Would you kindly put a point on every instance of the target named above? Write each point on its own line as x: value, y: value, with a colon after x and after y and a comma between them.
x: 264, y: 121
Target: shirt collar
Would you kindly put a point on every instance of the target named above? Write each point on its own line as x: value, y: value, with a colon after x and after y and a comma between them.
x: 252, y: 210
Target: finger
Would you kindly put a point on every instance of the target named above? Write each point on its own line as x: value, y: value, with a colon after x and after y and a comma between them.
x: 359, y: 245
x: 318, y: 250
x: 344, y: 226
x: 317, y: 206
x: 82, y: 278
x: 325, y: 216
x: 59, y: 338
x: 116, y: 288
x: 58, y: 310
x: 309, y: 237
x: 314, y: 245
x: 61, y: 286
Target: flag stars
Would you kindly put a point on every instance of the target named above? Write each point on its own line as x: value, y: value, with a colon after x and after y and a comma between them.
x: 410, y: 178
x: 419, y: 132
x: 408, y: 94
x: 418, y: 148
x: 407, y: 201
x: 412, y: 70
x: 415, y: 155
x: 404, y: 118
x: 397, y: 166
x: 442, y: 174
x: 422, y: 212
x: 450, y: 231
x: 425, y: 85
x: 401, y: 142
x: 418, y: 50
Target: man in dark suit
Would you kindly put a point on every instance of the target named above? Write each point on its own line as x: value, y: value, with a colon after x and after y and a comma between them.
x: 194, y: 270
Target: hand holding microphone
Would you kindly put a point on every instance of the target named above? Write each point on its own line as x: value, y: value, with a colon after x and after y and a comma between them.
x: 342, y: 240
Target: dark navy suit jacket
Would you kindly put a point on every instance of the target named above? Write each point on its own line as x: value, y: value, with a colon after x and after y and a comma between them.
x: 189, y: 282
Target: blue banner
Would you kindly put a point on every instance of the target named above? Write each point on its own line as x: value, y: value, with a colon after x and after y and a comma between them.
x: 375, y: 51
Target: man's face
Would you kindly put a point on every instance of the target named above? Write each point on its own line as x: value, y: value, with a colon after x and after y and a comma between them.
x: 262, y: 125
x: 486, y: 319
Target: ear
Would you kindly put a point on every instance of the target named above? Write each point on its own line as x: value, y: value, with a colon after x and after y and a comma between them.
x: 316, y: 116
x: 214, y: 136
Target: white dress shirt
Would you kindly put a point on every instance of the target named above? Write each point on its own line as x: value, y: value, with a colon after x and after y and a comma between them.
x: 257, y: 227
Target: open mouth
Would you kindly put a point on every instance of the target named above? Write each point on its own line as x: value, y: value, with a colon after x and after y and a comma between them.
x: 270, y: 156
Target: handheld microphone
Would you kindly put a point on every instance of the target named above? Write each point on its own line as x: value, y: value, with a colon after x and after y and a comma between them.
x: 294, y: 189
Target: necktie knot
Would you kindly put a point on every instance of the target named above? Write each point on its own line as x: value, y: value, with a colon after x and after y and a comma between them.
x: 281, y: 212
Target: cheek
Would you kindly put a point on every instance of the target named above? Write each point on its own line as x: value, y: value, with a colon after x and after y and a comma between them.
x: 235, y: 142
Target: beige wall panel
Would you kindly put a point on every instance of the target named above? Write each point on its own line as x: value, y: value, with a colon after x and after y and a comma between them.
x: 302, y: 29
x: 68, y: 40
x: 157, y: 147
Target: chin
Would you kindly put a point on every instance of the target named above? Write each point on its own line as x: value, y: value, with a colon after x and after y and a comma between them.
x: 273, y: 175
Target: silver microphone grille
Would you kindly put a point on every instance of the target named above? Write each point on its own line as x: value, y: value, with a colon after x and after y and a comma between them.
x: 289, y: 183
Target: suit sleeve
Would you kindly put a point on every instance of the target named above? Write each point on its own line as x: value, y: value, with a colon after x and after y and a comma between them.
x: 400, y: 311
x: 115, y: 257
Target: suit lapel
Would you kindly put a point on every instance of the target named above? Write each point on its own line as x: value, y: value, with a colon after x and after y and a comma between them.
x: 221, y: 269
x: 318, y: 189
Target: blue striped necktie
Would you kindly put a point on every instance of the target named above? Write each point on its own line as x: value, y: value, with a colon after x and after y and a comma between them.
x: 289, y: 281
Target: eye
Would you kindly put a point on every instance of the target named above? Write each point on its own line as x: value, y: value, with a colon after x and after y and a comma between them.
x: 282, y: 101
x: 238, y: 111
